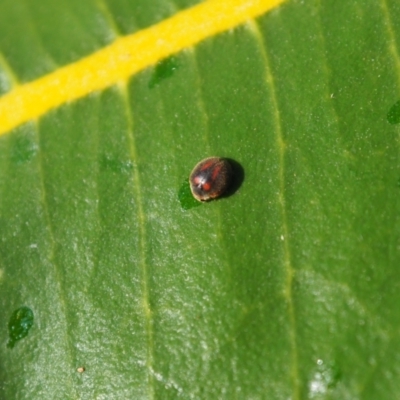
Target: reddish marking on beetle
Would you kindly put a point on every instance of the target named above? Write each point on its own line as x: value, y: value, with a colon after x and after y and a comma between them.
x: 206, y: 187
x: 197, y: 180
x: 216, y: 171
x: 207, y: 165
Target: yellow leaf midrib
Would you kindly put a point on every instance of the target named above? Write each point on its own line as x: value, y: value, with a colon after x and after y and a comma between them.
x: 125, y: 57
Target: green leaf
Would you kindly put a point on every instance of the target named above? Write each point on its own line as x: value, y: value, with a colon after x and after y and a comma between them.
x: 21, y: 322
x: 287, y: 289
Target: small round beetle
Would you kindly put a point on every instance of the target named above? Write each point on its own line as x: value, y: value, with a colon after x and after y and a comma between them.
x: 210, y: 178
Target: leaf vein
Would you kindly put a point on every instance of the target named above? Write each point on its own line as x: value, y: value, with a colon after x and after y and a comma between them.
x: 142, y: 240
x: 392, y: 39
x: 287, y: 263
x: 52, y: 256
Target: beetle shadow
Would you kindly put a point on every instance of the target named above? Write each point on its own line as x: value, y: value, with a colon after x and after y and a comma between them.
x: 238, y: 176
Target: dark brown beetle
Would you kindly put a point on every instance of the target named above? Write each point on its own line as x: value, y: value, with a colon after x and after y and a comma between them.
x: 210, y: 178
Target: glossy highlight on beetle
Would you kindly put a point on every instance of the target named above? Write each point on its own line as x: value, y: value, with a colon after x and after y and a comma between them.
x: 210, y: 178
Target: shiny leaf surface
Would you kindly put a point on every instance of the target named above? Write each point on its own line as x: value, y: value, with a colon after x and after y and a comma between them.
x: 287, y: 289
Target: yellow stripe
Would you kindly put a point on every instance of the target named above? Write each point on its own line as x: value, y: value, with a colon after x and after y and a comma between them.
x: 125, y: 57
